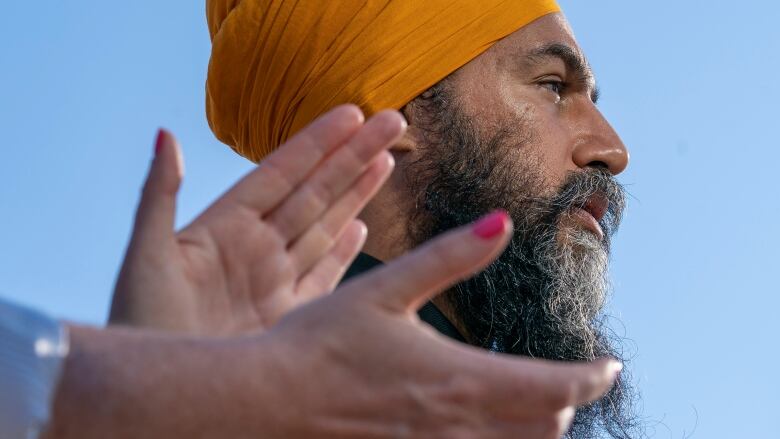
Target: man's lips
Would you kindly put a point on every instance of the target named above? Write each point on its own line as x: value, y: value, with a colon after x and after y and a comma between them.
x: 591, y: 213
x: 597, y: 205
x: 587, y: 220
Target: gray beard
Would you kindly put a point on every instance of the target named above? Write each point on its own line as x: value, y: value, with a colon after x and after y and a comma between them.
x: 543, y: 297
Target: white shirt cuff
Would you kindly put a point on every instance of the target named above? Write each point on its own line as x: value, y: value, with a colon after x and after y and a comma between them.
x: 32, y: 350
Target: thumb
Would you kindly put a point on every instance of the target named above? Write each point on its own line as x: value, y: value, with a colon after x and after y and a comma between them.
x: 407, y: 283
x: 156, y: 213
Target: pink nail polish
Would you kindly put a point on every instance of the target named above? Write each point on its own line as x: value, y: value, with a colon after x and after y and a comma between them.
x: 158, y: 144
x: 492, y: 225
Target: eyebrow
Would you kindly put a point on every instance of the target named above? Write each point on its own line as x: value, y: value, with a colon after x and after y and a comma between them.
x: 573, y: 60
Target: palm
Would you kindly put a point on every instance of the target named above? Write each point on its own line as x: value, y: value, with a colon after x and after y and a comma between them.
x: 281, y: 237
x: 251, y: 281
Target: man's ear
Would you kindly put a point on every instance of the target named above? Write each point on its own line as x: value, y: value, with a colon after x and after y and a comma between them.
x: 414, y: 136
x: 408, y: 142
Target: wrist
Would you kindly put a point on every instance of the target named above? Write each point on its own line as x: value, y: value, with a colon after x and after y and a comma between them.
x: 121, y: 383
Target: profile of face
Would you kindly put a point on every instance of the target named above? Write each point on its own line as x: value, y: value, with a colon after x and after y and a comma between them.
x: 518, y: 128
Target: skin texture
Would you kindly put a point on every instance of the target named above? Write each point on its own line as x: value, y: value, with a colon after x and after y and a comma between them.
x: 123, y: 383
x: 281, y: 237
x: 517, y: 128
x: 573, y: 136
x: 502, y: 85
x: 404, y: 379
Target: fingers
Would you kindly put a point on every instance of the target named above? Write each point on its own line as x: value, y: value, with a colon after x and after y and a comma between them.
x: 329, y: 270
x: 550, y: 425
x: 408, y: 282
x: 281, y: 172
x: 521, y: 385
x: 593, y: 380
x: 336, y: 174
x: 156, y: 213
x: 563, y: 421
x: 319, y: 238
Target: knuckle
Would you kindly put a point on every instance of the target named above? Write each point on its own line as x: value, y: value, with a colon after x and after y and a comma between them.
x: 448, y: 407
x: 360, y: 152
x: 277, y: 177
x: 564, y: 396
x: 310, y: 140
x: 444, y: 258
x: 462, y: 391
x: 320, y: 194
x: 324, y: 238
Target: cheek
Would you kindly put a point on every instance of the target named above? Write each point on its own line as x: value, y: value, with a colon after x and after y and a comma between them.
x: 545, y: 146
x: 542, y: 137
x: 550, y: 141
x: 493, y: 103
x: 554, y: 155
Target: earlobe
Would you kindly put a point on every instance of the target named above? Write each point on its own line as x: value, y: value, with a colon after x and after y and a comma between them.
x: 408, y: 142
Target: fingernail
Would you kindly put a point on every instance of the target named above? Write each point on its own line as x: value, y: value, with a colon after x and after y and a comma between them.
x: 492, y: 225
x: 158, y: 144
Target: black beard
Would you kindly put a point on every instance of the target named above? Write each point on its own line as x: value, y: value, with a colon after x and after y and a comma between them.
x: 543, y: 297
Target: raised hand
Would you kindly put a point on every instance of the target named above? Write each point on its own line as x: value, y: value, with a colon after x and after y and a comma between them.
x: 354, y: 364
x: 380, y: 373
x: 282, y: 236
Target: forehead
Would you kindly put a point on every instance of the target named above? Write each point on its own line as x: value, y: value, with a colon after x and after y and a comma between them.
x: 550, y: 29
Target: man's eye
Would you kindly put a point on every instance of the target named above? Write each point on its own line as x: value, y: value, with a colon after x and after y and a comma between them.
x: 556, y: 87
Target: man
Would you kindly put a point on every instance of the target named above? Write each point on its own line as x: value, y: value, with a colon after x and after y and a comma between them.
x: 288, y: 382
x: 502, y: 113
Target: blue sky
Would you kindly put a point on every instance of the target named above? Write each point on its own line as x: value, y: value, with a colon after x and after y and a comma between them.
x: 689, y: 85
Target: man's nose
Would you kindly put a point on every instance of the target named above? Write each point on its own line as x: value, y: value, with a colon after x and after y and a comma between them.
x: 599, y: 145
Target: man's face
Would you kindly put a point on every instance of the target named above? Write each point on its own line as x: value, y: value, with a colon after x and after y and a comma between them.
x: 539, y: 76
x: 517, y: 128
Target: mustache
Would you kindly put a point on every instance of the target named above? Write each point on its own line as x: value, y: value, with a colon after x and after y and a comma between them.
x: 578, y: 189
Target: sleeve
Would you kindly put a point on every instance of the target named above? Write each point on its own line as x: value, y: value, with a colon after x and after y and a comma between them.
x: 32, y: 350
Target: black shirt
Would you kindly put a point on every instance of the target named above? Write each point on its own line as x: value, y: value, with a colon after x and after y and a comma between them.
x: 428, y: 313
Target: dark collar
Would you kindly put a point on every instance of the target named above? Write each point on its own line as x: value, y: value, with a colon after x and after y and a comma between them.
x: 428, y: 313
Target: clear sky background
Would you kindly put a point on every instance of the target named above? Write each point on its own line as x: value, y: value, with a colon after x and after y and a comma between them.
x: 690, y: 85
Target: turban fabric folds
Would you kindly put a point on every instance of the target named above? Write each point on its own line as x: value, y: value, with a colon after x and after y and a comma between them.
x: 276, y: 65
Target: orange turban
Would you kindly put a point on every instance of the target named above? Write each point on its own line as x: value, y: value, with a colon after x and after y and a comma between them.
x: 276, y: 65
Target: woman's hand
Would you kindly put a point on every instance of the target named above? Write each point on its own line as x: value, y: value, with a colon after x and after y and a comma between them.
x: 360, y: 364
x: 282, y: 236
x: 355, y: 364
